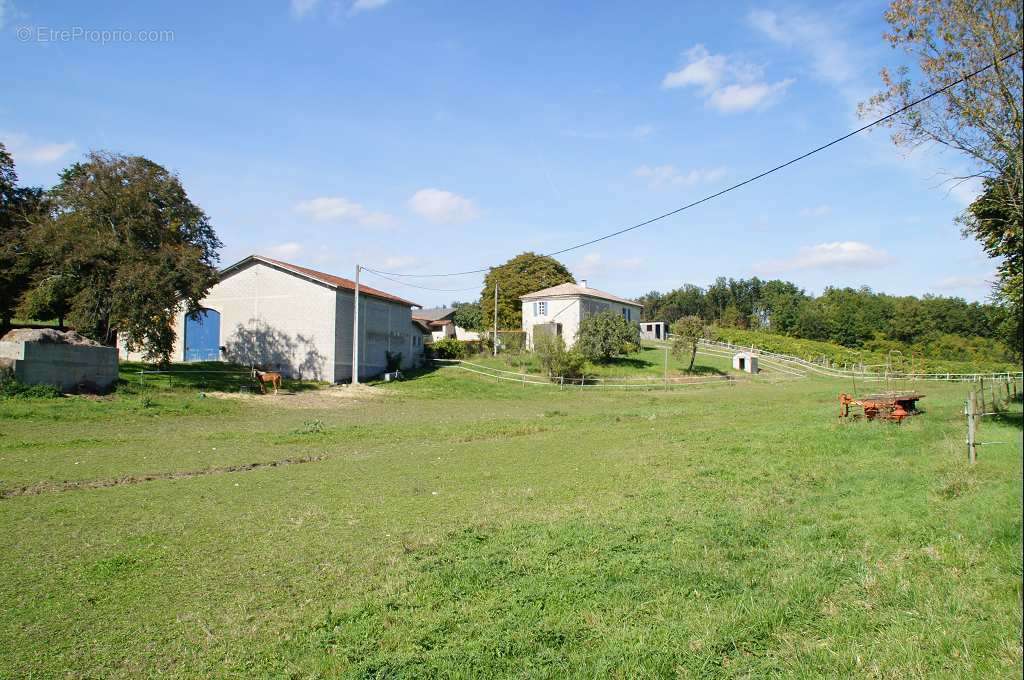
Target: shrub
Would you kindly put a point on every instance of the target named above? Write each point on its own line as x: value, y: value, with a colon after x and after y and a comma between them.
x: 10, y: 388
x: 605, y: 335
x: 688, y: 332
x: 448, y: 348
x: 555, y: 359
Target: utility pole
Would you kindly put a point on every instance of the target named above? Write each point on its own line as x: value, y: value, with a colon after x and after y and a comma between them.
x: 355, y: 331
x: 495, y: 343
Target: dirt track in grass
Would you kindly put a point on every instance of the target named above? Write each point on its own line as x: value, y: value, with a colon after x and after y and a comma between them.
x: 58, y: 487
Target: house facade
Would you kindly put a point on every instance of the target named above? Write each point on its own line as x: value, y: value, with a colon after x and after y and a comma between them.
x: 441, y: 323
x: 560, y: 309
x: 282, y: 317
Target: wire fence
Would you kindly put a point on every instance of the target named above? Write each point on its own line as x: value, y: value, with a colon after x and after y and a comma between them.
x: 868, y: 373
x: 587, y: 382
x: 983, y: 403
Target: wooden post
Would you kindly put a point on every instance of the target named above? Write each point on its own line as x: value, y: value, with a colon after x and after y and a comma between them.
x: 995, y: 402
x: 972, y: 425
x: 981, y: 393
x: 561, y: 382
x: 666, y: 367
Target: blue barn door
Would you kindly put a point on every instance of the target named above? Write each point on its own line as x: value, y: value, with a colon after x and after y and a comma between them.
x: 202, y: 336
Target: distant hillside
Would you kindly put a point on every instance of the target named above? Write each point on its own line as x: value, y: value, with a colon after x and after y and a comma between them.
x: 961, y: 356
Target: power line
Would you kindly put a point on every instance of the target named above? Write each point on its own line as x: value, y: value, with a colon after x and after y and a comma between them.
x: 797, y: 159
x: 413, y: 285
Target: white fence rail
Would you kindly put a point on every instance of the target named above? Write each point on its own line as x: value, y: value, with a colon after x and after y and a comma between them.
x: 586, y: 382
x: 798, y: 364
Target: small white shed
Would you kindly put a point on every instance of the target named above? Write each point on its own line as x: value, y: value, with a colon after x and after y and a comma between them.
x: 745, y: 361
x: 653, y: 330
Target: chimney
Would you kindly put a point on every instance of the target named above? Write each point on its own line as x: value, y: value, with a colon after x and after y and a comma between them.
x: 583, y: 283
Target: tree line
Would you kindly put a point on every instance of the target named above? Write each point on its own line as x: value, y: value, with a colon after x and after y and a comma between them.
x: 852, y: 317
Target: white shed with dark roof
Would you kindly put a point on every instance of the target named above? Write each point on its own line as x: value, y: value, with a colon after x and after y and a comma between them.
x: 559, y: 309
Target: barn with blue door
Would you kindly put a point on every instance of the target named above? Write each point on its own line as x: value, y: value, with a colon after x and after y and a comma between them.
x: 202, y: 335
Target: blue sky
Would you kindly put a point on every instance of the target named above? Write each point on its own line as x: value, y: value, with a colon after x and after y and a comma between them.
x: 442, y: 136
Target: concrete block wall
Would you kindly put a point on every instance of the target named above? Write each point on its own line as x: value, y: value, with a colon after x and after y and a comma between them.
x: 65, y: 366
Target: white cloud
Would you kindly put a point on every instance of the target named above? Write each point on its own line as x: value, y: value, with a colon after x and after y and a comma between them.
x: 735, y: 98
x: 727, y: 84
x: 393, y: 262
x: 301, y: 8
x: 282, y: 250
x: 817, y: 211
x: 367, y: 5
x: 962, y: 282
x: 641, y: 131
x: 966, y: 191
x: 442, y: 207
x: 668, y: 175
x: 340, y: 209
x: 831, y: 57
x: 24, y: 150
x: 702, y: 69
x: 835, y: 255
x: 594, y: 263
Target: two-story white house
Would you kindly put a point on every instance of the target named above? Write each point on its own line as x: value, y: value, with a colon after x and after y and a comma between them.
x: 560, y: 309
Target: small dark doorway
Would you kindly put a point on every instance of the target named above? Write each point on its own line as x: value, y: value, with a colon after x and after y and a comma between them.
x: 743, y: 363
x: 657, y: 331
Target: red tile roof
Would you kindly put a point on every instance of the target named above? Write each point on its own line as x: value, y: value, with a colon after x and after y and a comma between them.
x: 327, y: 279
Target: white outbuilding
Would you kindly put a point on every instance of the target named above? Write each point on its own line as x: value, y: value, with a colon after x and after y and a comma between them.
x: 298, y: 321
x: 745, y: 361
x: 653, y: 330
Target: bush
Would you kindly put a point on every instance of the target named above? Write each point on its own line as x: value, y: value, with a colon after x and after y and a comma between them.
x: 448, y: 348
x: 10, y: 388
x: 606, y: 335
x: 555, y: 359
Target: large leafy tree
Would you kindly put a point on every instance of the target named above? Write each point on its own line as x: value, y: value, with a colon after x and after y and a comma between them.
x: 981, y: 118
x: 130, y: 249
x: 606, y: 335
x: 525, y: 273
x: 467, y: 315
x: 20, y: 209
x: 1001, y: 233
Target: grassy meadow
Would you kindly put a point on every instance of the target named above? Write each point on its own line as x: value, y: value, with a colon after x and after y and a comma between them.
x: 452, y: 526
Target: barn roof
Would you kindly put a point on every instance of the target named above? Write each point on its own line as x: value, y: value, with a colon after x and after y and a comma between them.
x: 574, y: 290
x: 331, y: 280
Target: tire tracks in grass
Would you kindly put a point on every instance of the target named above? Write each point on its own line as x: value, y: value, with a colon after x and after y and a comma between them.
x: 41, y: 488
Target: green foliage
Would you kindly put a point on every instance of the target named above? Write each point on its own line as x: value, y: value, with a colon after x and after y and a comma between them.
x: 555, y: 359
x: 995, y: 221
x: 605, y: 335
x: 130, y: 249
x: 687, y: 333
x: 448, y: 348
x: 10, y: 388
x: 525, y: 273
x: 20, y: 209
x: 942, y: 354
x: 468, y: 315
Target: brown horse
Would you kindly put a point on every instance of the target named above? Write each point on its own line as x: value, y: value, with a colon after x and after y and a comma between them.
x: 264, y: 377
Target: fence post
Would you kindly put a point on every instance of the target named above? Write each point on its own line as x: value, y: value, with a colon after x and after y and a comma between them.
x: 972, y: 447
x: 981, y: 393
x: 561, y: 382
x: 995, y: 402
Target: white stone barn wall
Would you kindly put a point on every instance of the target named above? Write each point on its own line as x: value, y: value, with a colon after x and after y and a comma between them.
x: 285, y: 322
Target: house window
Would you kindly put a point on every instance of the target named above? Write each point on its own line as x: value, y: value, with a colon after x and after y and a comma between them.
x: 540, y: 309
x: 626, y: 313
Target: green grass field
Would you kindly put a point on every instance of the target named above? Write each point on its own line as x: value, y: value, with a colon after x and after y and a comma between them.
x: 451, y: 526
